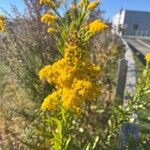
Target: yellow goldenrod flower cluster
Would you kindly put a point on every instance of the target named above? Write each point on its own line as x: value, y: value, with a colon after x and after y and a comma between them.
x: 74, y: 76
x: 92, y: 5
x: 48, y: 18
x: 75, y: 80
x: 49, y: 3
x: 2, y: 23
x: 51, y: 101
x: 147, y: 57
x: 96, y: 26
x: 50, y: 30
x: 83, y: 2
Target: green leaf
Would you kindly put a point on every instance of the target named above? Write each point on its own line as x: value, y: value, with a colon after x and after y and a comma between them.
x: 109, y: 123
x: 59, y: 126
x: 87, y: 146
x: 147, y: 92
x: 131, y: 120
x: 67, y: 143
x: 63, y: 113
x: 95, y: 142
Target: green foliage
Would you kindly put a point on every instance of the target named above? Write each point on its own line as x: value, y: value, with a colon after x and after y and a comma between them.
x: 24, y: 124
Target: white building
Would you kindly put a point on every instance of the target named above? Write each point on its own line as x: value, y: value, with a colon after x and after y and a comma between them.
x: 130, y: 22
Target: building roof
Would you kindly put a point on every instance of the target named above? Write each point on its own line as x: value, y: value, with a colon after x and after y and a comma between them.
x: 137, y: 11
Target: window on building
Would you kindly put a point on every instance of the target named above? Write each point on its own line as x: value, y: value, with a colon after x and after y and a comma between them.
x: 135, y: 27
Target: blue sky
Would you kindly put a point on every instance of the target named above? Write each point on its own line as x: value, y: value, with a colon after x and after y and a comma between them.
x: 113, y: 6
x: 109, y: 6
x: 6, y: 4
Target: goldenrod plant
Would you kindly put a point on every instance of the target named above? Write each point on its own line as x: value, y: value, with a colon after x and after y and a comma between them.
x: 78, y: 109
x: 143, y: 87
x: 2, y: 23
x: 73, y: 87
x: 147, y: 58
x: 74, y: 75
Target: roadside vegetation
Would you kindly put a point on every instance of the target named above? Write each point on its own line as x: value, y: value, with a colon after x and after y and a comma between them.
x: 143, y: 115
x: 58, y: 73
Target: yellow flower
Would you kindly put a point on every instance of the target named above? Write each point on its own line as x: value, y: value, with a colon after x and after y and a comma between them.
x: 51, y: 101
x: 2, y: 23
x: 50, y: 30
x: 75, y: 77
x: 92, y: 5
x: 50, y: 3
x: 44, y: 72
x: 82, y: 2
x: 147, y: 57
x: 80, y: 92
x: 97, y: 26
x: 48, y: 18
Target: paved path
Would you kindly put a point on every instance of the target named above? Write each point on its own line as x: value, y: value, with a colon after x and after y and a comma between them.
x: 140, y: 44
x: 129, y: 129
x: 131, y: 72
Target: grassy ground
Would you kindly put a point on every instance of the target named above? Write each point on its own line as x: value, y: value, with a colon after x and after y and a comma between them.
x: 144, y: 115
